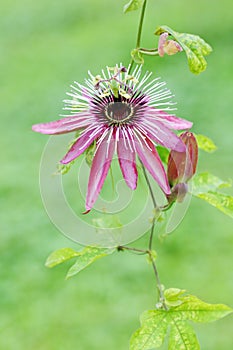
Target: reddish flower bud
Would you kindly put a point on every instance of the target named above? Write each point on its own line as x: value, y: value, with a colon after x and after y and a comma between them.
x: 169, y: 47
x: 178, y: 193
x: 182, y: 165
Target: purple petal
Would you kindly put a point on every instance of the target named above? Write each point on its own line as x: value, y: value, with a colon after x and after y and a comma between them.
x: 127, y: 163
x: 159, y: 133
x: 150, y: 159
x: 83, y: 142
x: 64, y: 125
x: 171, y: 121
x: 99, y: 169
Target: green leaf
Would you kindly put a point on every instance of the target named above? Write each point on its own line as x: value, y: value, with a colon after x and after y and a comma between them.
x: 220, y: 201
x: 86, y: 257
x: 133, y: 5
x: 136, y: 56
x: 152, y: 333
x: 89, y: 154
x: 107, y: 221
x: 205, y: 143
x: 163, y: 154
x: 182, y: 336
x: 64, y: 168
x: 60, y: 256
x: 205, y: 186
x: 196, y: 310
x: 194, y: 46
x: 173, y: 293
x: 155, y: 323
x: 205, y: 182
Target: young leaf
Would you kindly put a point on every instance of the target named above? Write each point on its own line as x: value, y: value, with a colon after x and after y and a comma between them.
x: 86, y: 257
x: 194, y: 46
x: 137, y: 57
x: 60, y: 256
x: 133, y: 5
x: 64, y: 168
x: 205, y: 143
x: 219, y: 200
x: 205, y: 182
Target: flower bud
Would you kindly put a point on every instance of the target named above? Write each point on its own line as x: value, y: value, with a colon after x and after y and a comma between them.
x: 182, y: 165
x: 170, y: 47
x: 178, y: 193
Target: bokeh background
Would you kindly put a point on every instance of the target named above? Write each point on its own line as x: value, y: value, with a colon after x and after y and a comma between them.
x: 44, y: 47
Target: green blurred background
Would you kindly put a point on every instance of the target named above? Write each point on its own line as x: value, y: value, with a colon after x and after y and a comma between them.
x: 44, y: 47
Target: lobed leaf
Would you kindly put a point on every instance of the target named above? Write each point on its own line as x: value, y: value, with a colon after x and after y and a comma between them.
x: 195, y: 48
x: 86, y: 257
x: 155, y: 323
x: 133, y: 5
x: 152, y: 333
x: 59, y: 256
x: 205, y: 182
x: 182, y: 336
x: 205, y: 143
x: 219, y: 200
x: 196, y: 310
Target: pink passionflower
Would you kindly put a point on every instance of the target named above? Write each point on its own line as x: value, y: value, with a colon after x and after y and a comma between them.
x: 122, y: 113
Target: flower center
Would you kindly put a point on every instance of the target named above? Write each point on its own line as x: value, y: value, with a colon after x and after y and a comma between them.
x: 118, y: 112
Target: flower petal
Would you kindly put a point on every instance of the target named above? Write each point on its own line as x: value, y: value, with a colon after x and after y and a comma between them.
x: 64, y: 125
x: 171, y: 121
x: 99, y: 169
x: 127, y: 162
x: 150, y: 159
x: 83, y: 142
x: 159, y: 133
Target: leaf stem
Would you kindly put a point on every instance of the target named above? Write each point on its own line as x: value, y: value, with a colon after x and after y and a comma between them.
x: 122, y: 248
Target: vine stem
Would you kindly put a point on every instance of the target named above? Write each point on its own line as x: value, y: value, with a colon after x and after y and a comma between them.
x: 139, y: 34
x: 156, y: 208
x: 138, y: 42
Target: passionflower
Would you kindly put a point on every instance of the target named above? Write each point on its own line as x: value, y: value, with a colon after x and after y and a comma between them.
x: 123, y: 113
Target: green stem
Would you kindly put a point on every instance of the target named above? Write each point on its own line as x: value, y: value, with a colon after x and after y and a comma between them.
x: 123, y: 247
x: 139, y: 35
x: 156, y: 208
x: 150, y: 254
x: 141, y: 24
x: 159, y: 285
x: 149, y: 52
